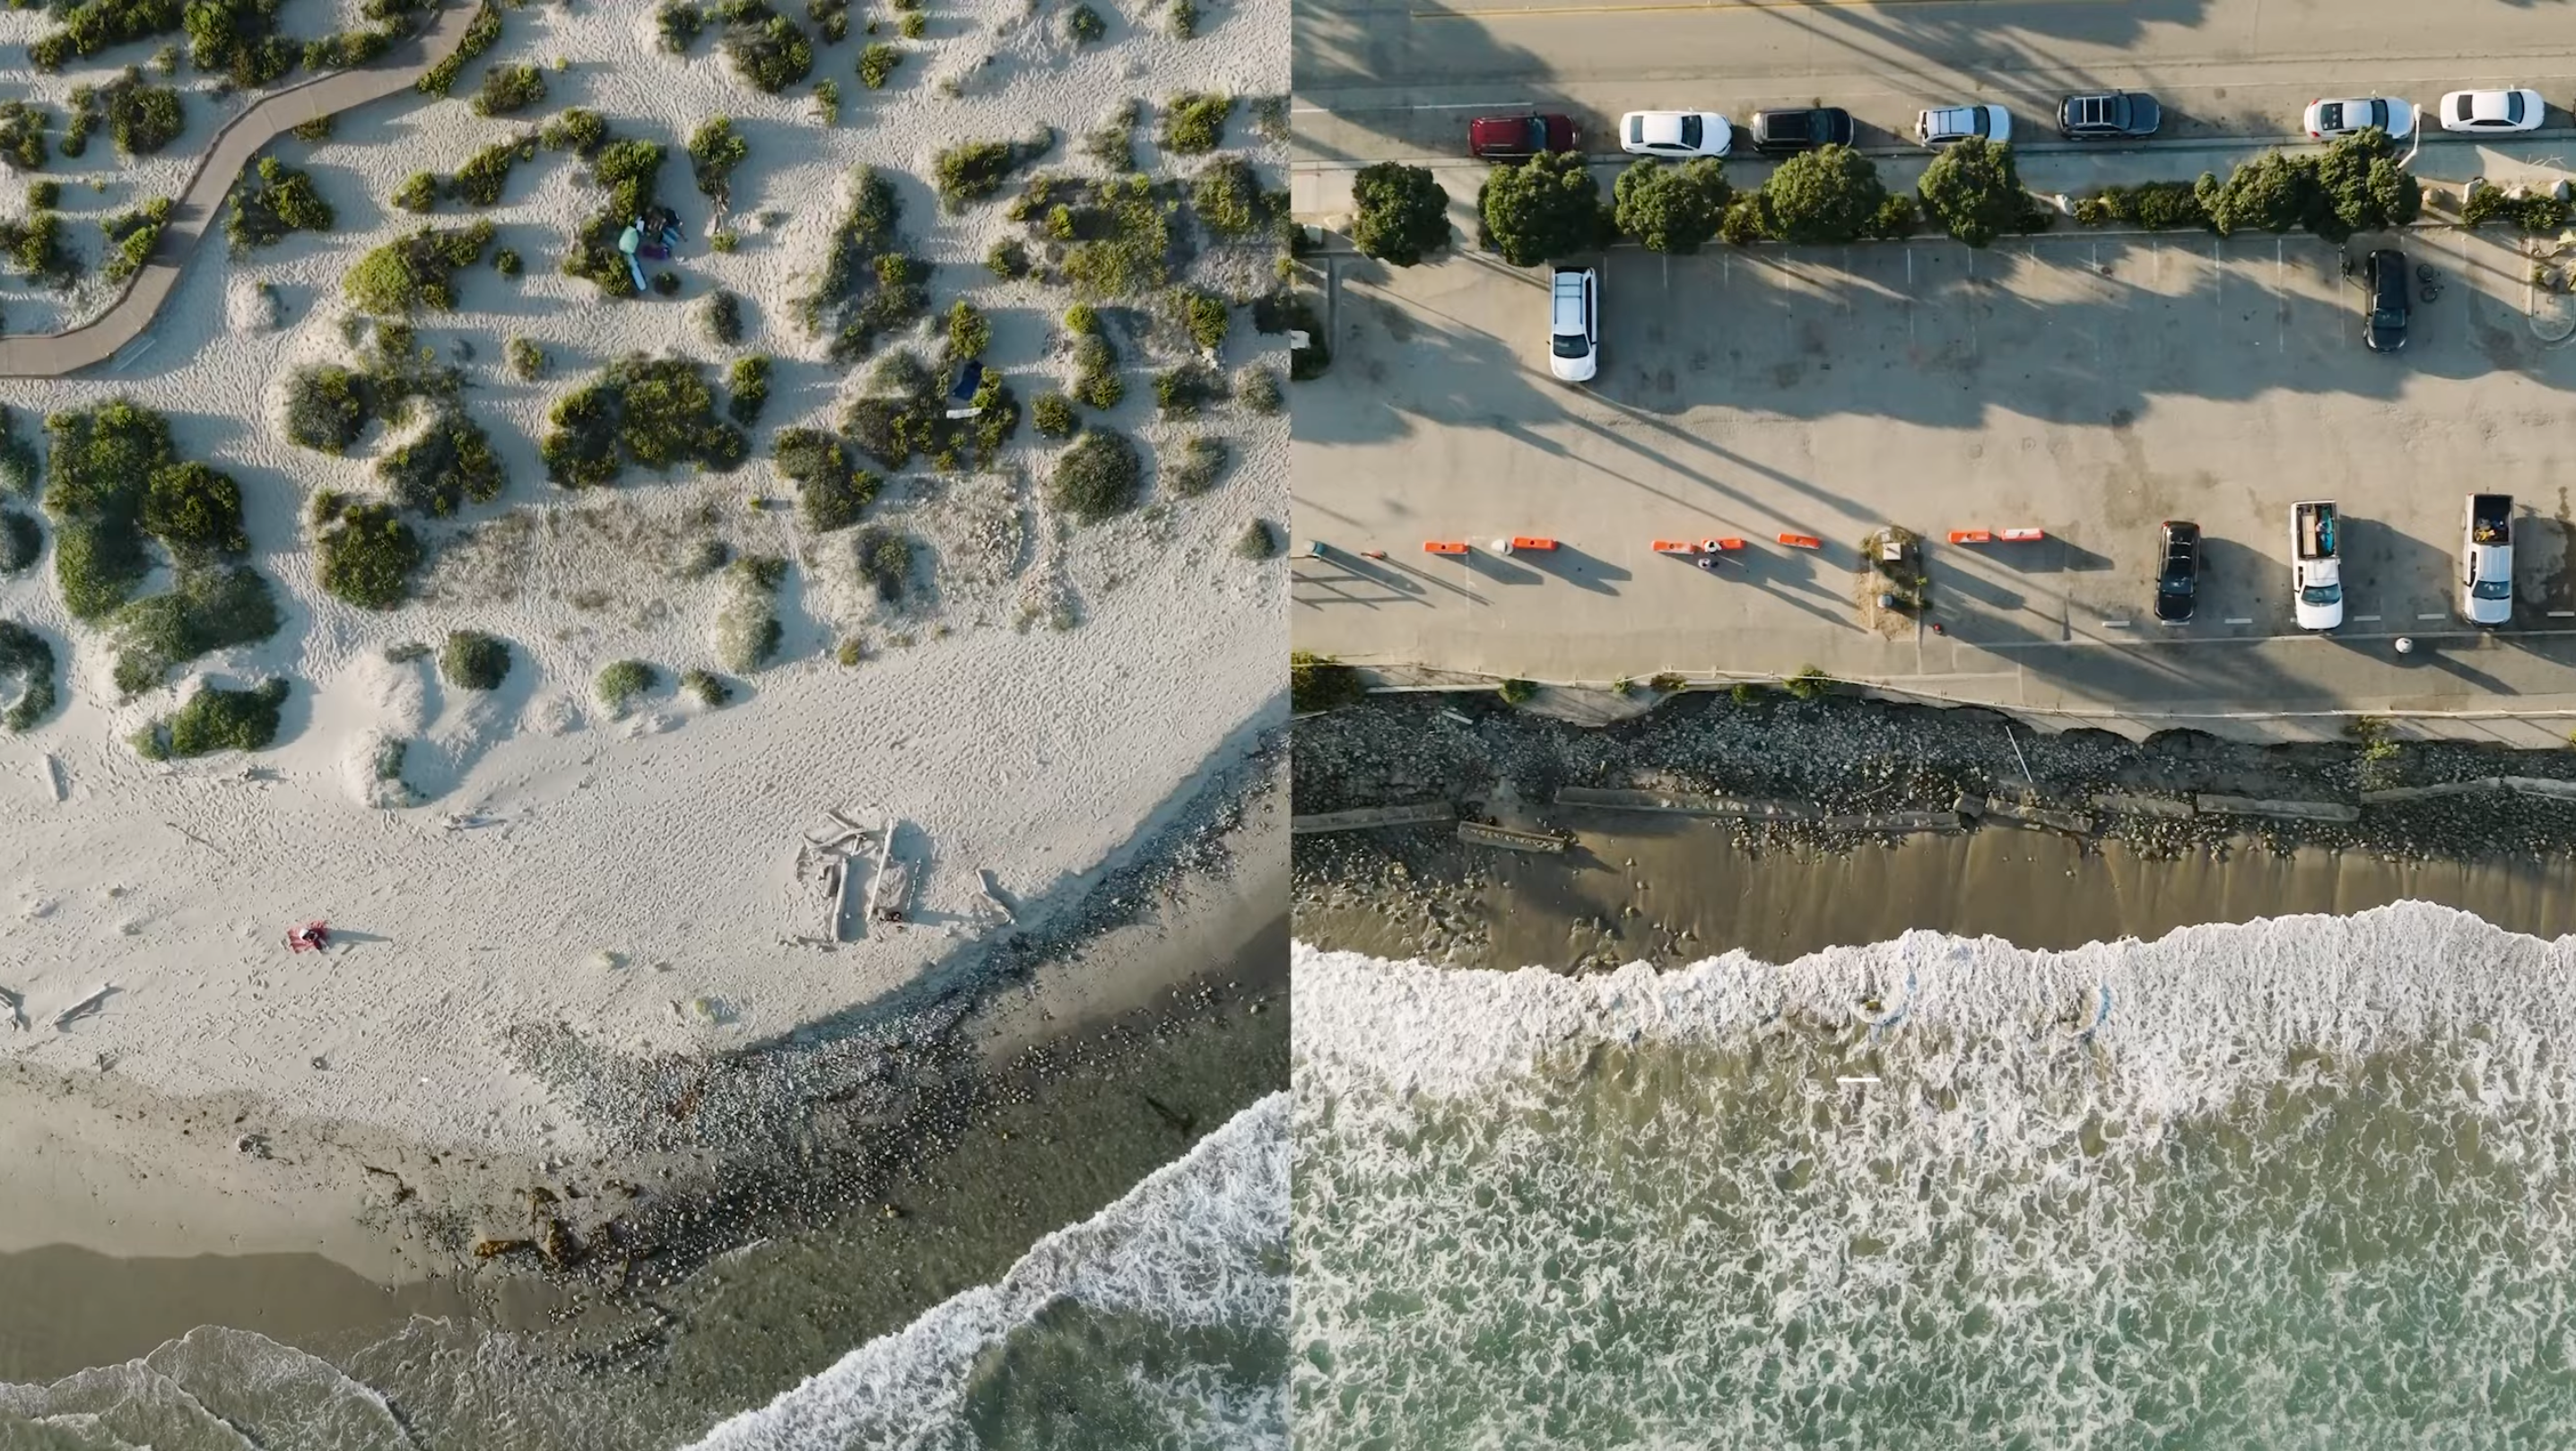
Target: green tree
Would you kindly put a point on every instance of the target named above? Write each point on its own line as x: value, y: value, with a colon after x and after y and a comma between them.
x: 1830, y: 194
x: 1672, y: 208
x: 1975, y: 190
x: 1544, y: 208
x: 2361, y: 187
x: 2274, y: 192
x: 1404, y: 214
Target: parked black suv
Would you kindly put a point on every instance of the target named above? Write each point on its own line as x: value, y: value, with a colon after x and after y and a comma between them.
x: 2386, y: 274
x: 2178, y: 582
x: 1777, y: 133
x: 2109, y: 115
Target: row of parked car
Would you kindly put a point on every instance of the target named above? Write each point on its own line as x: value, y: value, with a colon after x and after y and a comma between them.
x: 2087, y: 116
x: 2485, y: 573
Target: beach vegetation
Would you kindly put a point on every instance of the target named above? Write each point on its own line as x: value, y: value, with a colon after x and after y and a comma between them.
x: 1258, y: 388
x: 1098, y: 477
x: 877, y: 65
x: 276, y: 200
x: 472, y: 660
x: 917, y: 25
x: 1096, y: 383
x: 630, y: 171
x: 102, y: 469
x: 830, y: 18
x: 1518, y: 692
x: 768, y: 50
x: 417, y: 193
x: 509, y: 89
x: 327, y: 407
x: 831, y: 490
x: 1183, y: 16
x: 1810, y: 681
x: 1403, y: 213
x: 884, y: 560
x: 44, y: 195
x: 620, y: 683
x: 1321, y: 682
x: 141, y: 118
x: 1194, y: 122
x: 1052, y: 414
x: 866, y: 287
x: 975, y: 170
x: 905, y: 412
x: 208, y: 607
x: 479, y: 182
x: 215, y: 719
x: 21, y: 540
x: 1084, y: 25
x: 748, y: 631
x: 1545, y: 208
x: 747, y: 389
x: 969, y: 332
x: 1008, y: 259
x: 706, y: 688
x: 35, y: 247
x: 27, y: 668
x: 1259, y: 541
x: 235, y: 37
x: 1120, y: 234
x: 1284, y: 311
x: 480, y: 36
x: 415, y: 271
x: 1112, y: 143
x: 576, y: 129
x: 1204, y: 316
x: 507, y: 262
x: 656, y: 412
x: 715, y: 149
x: 720, y: 317
x: 1230, y: 203
x: 22, y: 134
x: 527, y: 359
x: 368, y: 555
x: 18, y: 458
x: 1183, y: 392
x: 315, y: 131
x: 450, y: 464
x: 131, y: 236
x: 678, y: 23
x: 1201, y: 464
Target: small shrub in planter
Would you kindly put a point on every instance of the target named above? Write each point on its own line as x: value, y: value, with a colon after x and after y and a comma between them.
x: 619, y: 684
x: 1053, y: 415
x: 1097, y: 477
x: 473, y: 660
x: 509, y: 89
x: 368, y: 557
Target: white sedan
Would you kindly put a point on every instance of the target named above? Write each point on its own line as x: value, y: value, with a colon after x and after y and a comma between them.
x: 2343, y: 118
x: 2521, y: 110
x: 1675, y: 133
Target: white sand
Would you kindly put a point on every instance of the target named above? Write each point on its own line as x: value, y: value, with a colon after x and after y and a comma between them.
x: 633, y: 863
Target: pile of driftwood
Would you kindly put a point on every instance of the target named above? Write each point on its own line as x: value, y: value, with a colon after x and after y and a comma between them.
x: 839, y: 855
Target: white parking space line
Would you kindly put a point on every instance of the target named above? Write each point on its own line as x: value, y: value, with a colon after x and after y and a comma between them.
x: 2249, y: 619
x: 2562, y: 614
x: 2430, y: 615
x: 2365, y: 619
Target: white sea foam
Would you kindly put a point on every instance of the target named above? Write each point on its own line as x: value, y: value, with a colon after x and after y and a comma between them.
x: 1194, y: 1244
x: 2305, y: 1181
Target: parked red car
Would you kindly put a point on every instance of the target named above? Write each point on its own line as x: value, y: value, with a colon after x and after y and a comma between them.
x: 1514, y: 138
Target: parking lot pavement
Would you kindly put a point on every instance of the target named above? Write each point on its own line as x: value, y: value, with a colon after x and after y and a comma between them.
x: 1381, y: 79
x: 2086, y: 387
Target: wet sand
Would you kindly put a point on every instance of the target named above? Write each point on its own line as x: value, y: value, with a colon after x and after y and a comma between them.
x: 1695, y: 894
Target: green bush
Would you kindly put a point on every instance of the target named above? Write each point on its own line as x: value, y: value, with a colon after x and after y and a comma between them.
x: 143, y: 118
x: 418, y: 192
x: 98, y: 472
x: 678, y: 22
x: 975, y: 170
x: 1204, y: 315
x: 1896, y: 219
x: 877, y: 65
x: 2275, y: 192
x: 629, y: 170
x: 26, y: 659
x: 865, y: 289
x: 969, y: 331
x: 620, y: 683
x: 44, y: 195
x: 747, y: 389
x: 18, y: 459
x: 767, y: 49
x: 2154, y: 205
x: 904, y: 413
x: 1259, y: 390
x: 1053, y: 416
x: 450, y: 465
x: 473, y: 660
x: 368, y: 557
x: 1974, y: 189
x: 1547, y: 207
x: 748, y: 632
x: 884, y: 559
x: 236, y: 37
x: 414, y: 272
x: 131, y: 236
x: 576, y: 129
x: 1320, y: 682
x: 1125, y: 241
x: 1097, y: 477
x: 2362, y: 186
x: 721, y: 317
x: 709, y: 690
x: 315, y: 131
x: 1085, y: 25
x: 1822, y: 197
x: 1113, y: 142
x: 527, y: 360
x: 1259, y: 541
x: 832, y: 491
x: 480, y: 36
x: 657, y: 412
x: 1229, y: 202
x: 1008, y: 259
x: 327, y: 407
x: 1194, y: 122
x: 279, y: 199
x: 509, y: 89
x: 1201, y: 465
x: 215, y: 719
x: 1183, y: 391
x: 482, y: 178
x: 22, y: 136
x: 195, y: 511
x: 207, y: 608
x: 21, y: 540
x: 2537, y: 212
x: 1095, y: 372
x: 714, y: 151
x: 35, y: 247
x: 1403, y: 213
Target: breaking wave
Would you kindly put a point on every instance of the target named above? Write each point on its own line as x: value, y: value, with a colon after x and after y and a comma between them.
x: 2301, y: 1182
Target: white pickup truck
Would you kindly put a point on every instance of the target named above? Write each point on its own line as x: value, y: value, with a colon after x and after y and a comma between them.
x: 2486, y: 560
x: 2316, y: 566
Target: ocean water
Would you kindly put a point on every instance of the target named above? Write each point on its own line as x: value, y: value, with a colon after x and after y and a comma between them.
x: 1158, y: 1322
x: 2305, y: 1182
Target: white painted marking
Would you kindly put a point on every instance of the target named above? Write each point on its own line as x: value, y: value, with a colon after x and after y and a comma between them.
x: 2562, y: 614
x: 2249, y: 619
x: 2365, y: 619
x: 2431, y: 615
x: 2117, y: 624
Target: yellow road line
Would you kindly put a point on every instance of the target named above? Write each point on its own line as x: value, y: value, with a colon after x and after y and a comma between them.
x: 1503, y: 12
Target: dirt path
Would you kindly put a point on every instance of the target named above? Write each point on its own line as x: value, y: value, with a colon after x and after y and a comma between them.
x: 56, y: 354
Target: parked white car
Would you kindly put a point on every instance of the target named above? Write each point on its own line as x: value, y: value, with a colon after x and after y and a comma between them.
x: 1675, y: 133
x: 1574, y: 324
x: 1950, y: 125
x: 2476, y: 111
x: 2360, y: 113
x: 2486, y: 560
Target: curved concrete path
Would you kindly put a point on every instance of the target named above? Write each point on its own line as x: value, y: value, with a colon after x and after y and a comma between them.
x: 53, y: 355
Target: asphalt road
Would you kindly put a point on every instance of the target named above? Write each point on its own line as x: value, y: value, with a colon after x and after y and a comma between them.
x: 1382, y: 79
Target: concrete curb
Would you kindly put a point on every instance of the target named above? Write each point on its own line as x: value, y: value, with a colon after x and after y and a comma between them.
x: 192, y: 212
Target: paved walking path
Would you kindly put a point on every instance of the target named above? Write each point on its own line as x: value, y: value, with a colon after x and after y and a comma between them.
x: 53, y: 355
